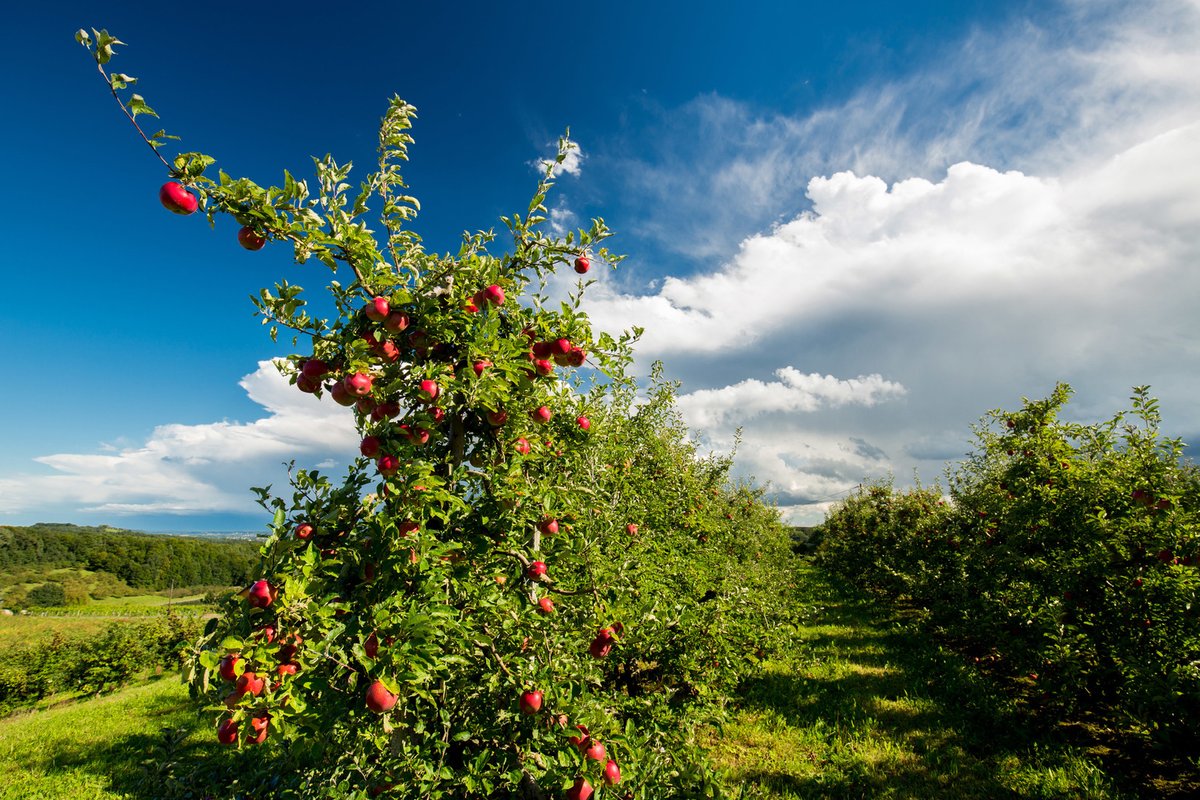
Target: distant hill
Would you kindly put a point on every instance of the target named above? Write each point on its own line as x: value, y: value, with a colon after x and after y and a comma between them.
x: 142, y: 560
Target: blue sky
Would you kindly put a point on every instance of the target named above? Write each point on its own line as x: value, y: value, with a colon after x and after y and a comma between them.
x: 852, y: 228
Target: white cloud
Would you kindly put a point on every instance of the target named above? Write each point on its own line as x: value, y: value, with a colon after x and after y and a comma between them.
x: 572, y: 164
x: 1039, y: 227
x: 708, y: 408
x: 192, y: 469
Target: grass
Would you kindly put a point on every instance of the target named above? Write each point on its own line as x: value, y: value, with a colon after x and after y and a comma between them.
x: 864, y: 707
x: 89, y: 750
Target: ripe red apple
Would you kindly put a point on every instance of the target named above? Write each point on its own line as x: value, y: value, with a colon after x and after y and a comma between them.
x: 268, y: 633
x: 541, y: 415
x: 560, y: 347
x: 542, y: 349
x: 371, y: 645
x: 227, y: 732
x: 377, y: 310
x: 522, y: 446
x: 249, y: 682
x: 631, y: 529
x: 396, y: 321
x: 546, y: 605
x: 576, y: 357
x: 313, y: 368
x: 258, y: 728
x: 251, y: 239
x: 388, y: 465
x: 471, y: 307
x: 543, y: 368
x: 177, y: 199
x: 428, y: 391
x: 227, y: 667
x: 584, y: 423
x: 600, y: 647
x: 494, y: 295
x: 341, y: 395
x: 548, y: 526
x: 596, y: 752
x: 370, y: 446
x: 581, y: 790
x: 379, y: 699
x: 286, y: 668
x: 536, y: 570
x: 583, y: 741
x: 497, y: 418
x: 358, y: 384
x: 304, y: 531
x: 261, y: 594
x: 531, y: 702
x: 480, y: 365
x: 582, y: 265
x: 612, y: 773
x: 306, y: 384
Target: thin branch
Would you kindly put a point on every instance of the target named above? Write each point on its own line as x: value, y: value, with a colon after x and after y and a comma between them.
x: 132, y: 119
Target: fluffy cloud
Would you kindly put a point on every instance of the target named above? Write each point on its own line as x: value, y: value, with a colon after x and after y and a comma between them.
x: 1043, y: 230
x: 793, y: 392
x: 191, y: 469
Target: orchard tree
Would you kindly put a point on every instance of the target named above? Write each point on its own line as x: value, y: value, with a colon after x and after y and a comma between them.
x: 434, y: 623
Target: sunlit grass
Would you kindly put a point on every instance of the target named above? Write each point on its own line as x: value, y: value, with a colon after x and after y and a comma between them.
x: 862, y: 707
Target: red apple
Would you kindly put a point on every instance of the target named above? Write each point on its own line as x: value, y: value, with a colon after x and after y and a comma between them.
x: 377, y: 310
x: 560, y: 347
x: 286, y: 668
x: 249, y: 682
x: 307, y: 385
x: 548, y: 526
x: 227, y: 732
x: 612, y: 773
x: 581, y: 790
x: 358, y: 384
x: 388, y: 465
x: 313, y: 368
x: 304, y: 531
x: 227, y: 668
x: 258, y: 728
x: 546, y: 605
x: 471, y: 307
x: 583, y: 422
x: 428, y: 391
x: 494, y: 295
x: 582, y: 265
x: 583, y: 741
x: 251, y: 239
x: 541, y: 415
x: 596, y: 752
x: 576, y: 357
x: 522, y: 446
x: 497, y: 418
x: 396, y: 321
x: 600, y: 647
x: 543, y: 368
x: 371, y: 645
x: 341, y: 395
x: 542, y: 349
x: 531, y: 702
x: 379, y: 699
x: 261, y: 594
x: 370, y: 446
x: 176, y: 199
x: 631, y: 529
x: 480, y: 365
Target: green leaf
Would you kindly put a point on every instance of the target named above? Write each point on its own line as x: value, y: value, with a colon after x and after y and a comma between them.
x: 137, y: 106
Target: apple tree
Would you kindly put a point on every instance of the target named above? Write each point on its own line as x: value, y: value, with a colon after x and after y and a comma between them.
x: 437, y: 622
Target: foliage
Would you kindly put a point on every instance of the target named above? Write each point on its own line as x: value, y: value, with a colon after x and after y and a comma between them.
x: 145, y: 561
x: 92, y: 664
x: 521, y: 550
x: 1066, y: 561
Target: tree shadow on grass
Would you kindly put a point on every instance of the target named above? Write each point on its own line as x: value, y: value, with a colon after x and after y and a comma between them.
x: 897, y: 717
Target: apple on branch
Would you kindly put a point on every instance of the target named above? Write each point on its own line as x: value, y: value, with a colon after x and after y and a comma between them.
x: 177, y: 199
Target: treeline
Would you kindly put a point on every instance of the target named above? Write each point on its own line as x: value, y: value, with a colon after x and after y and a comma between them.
x: 143, y: 561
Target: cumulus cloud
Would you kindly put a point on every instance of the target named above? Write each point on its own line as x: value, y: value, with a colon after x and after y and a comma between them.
x: 793, y: 392
x: 193, y: 469
x: 1041, y: 227
x: 572, y: 164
